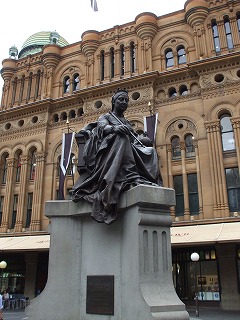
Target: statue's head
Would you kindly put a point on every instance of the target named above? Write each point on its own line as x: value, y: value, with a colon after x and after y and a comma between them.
x: 117, y: 94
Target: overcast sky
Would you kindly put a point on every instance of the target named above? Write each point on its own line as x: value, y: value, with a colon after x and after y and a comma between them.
x: 20, y: 19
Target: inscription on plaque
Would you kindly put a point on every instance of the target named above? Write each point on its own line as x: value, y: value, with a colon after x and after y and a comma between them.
x: 100, y: 295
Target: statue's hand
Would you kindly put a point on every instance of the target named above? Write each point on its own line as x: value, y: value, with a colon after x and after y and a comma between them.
x: 122, y: 129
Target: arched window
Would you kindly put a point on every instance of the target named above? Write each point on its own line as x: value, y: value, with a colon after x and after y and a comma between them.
x: 29, y: 86
x: 132, y: 57
x: 32, y: 164
x: 176, y: 150
x: 183, y: 90
x: 122, y: 60
x: 172, y: 92
x: 72, y: 114
x: 228, y: 142
x: 21, y: 89
x: 18, y: 166
x: 169, y: 58
x: 112, y: 62
x: 55, y: 118
x: 102, y: 65
x: 63, y: 116
x: 228, y: 32
x: 80, y: 112
x: 37, y: 88
x: 4, y: 167
x: 215, y: 36
x: 29, y: 210
x: 190, y: 150
x: 66, y: 84
x: 181, y: 55
x: 76, y: 82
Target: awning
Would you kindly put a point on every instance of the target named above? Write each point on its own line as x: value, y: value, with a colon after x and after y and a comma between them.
x: 206, y: 234
x: 183, y: 235
x: 32, y: 243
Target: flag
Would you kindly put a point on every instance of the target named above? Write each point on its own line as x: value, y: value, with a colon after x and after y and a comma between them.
x: 94, y: 5
x: 150, y: 126
x: 67, y: 143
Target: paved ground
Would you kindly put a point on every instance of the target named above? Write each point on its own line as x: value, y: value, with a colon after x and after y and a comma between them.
x: 204, y: 314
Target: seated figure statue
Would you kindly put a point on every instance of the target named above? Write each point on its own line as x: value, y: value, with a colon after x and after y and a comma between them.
x: 115, y: 160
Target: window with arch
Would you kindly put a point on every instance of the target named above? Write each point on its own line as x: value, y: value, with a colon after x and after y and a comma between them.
x: 102, y: 64
x: 228, y: 32
x: 29, y: 86
x: 190, y: 149
x: 215, y: 36
x: 4, y: 167
x: 32, y: 164
x: 233, y: 188
x: 112, y: 62
x: 181, y: 53
x: 176, y: 150
x: 66, y: 84
x: 63, y: 116
x: 37, y: 88
x: 183, y: 90
x: 169, y: 58
x: 72, y: 114
x: 76, y: 82
x: 80, y: 112
x: 122, y: 60
x: 172, y: 92
x: 228, y: 142
x: 18, y: 166
x: 132, y: 57
x: 55, y: 118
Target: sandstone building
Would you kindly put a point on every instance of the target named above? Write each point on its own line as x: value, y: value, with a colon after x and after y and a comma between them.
x: 185, y: 66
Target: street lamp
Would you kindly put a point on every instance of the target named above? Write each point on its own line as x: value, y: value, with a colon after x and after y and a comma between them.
x: 195, y: 258
x: 3, y: 265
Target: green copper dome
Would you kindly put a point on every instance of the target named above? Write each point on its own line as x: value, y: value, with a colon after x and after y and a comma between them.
x: 37, y: 41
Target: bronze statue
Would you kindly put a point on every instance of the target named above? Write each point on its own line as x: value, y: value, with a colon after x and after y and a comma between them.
x: 115, y: 159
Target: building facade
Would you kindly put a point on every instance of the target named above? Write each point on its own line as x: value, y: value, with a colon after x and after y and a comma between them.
x: 185, y: 66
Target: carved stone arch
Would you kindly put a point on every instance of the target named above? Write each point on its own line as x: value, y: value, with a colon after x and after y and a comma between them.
x: 17, y: 147
x: 180, y: 127
x: 34, y: 143
x: 183, y: 37
x: 216, y: 109
x: 6, y: 149
x: 188, y: 115
x: 213, y: 16
x: 138, y: 123
x: 69, y: 68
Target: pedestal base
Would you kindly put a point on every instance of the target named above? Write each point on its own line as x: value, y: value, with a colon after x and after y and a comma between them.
x: 135, y: 250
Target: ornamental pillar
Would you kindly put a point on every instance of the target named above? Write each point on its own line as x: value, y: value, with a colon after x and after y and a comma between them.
x: 236, y: 131
x: 37, y: 194
x: 185, y: 183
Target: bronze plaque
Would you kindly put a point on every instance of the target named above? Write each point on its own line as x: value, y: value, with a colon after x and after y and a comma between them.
x: 100, y: 295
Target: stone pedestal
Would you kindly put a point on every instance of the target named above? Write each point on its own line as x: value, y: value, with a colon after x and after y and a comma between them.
x: 135, y: 250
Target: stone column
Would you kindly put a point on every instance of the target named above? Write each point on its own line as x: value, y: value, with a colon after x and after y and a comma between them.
x: 222, y: 35
x: 127, y: 61
x: 200, y: 198
x: 37, y: 194
x: 31, y: 259
x: 220, y: 207
x: 230, y: 298
x: 170, y: 176
x: 22, y: 195
x: 7, y: 205
x: 234, y: 30
x: 236, y: 131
